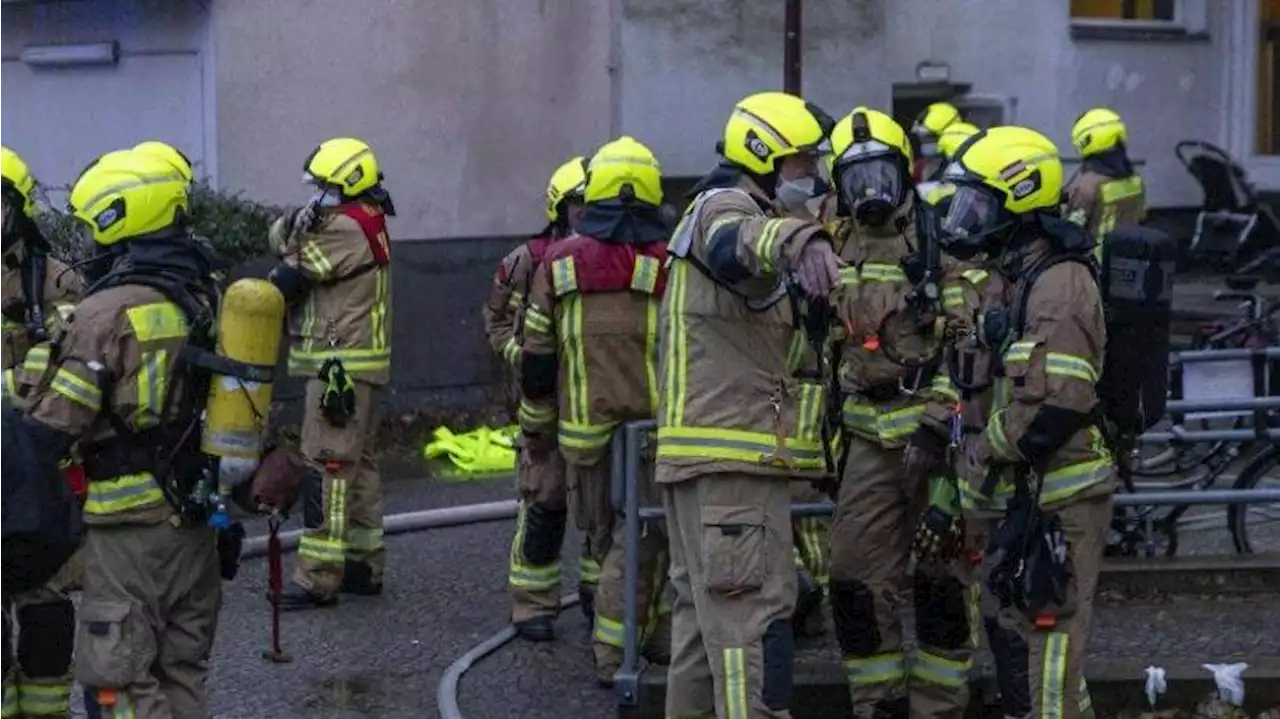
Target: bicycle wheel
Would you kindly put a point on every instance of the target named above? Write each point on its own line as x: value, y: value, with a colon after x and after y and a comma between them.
x: 1255, y: 528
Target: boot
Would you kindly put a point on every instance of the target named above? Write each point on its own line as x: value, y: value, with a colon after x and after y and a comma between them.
x: 807, y: 621
x: 537, y: 629
x: 297, y: 598
x: 357, y: 578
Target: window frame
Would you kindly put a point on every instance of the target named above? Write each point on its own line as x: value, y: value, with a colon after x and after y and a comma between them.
x: 1189, y: 17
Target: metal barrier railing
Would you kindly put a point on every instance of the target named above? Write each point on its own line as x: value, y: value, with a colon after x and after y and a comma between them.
x: 630, y: 439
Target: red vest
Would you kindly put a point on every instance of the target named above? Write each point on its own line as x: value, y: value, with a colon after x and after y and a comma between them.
x: 584, y: 264
x: 373, y: 222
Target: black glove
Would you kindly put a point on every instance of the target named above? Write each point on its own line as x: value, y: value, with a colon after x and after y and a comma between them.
x: 230, y: 544
x: 338, y: 402
x: 15, y: 310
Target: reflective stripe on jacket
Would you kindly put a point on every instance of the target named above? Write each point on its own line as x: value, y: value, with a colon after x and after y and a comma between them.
x: 1099, y: 203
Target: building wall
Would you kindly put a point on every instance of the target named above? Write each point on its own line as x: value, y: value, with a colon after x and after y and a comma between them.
x: 60, y: 119
x: 686, y: 61
x: 470, y: 105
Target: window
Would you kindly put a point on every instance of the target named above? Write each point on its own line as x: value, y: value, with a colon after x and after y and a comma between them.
x: 1113, y: 10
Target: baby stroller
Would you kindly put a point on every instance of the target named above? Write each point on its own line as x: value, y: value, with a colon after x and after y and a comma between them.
x: 1232, y: 227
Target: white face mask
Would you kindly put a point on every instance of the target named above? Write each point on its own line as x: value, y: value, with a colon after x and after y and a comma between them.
x: 327, y: 198
x: 794, y: 195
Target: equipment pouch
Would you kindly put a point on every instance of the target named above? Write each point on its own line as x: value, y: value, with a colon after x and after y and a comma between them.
x: 338, y: 401
x: 112, y: 638
x: 1033, y: 570
x: 733, y: 548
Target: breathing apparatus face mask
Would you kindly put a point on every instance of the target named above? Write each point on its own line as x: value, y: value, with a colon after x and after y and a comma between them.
x: 872, y: 189
x: 976, y: 222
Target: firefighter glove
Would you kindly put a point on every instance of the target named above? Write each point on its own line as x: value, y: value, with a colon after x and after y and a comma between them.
x: 818, y: 270
x: 940, y: 533
x: 338, y: 401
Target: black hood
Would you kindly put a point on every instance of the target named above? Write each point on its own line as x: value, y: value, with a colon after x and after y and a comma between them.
x: 618, y: 222
x: 722, y: 175
x: 1112, y: 163
x: 172, y: 261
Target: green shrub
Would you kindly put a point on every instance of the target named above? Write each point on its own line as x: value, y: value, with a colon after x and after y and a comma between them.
x: 237, y: 227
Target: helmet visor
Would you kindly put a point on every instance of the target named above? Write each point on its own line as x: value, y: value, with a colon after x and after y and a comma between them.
x: 973, y: 213
x: 875, y: 179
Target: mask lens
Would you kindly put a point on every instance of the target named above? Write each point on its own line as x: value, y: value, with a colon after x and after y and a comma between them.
x: 877, y: 179
x: 972, y: 214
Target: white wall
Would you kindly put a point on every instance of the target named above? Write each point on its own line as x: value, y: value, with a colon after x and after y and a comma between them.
x: 60, y: 119
x: 685, y: 62
x: 469, y: 105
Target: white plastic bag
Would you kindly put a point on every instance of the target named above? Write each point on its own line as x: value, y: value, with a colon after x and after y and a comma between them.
x: 1155, y: 684
x: 1229, y: 680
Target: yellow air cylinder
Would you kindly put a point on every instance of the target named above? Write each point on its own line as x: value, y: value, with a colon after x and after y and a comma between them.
x: 249, y: 330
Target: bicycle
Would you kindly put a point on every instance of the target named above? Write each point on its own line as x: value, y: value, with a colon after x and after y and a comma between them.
x: 1150, y: 530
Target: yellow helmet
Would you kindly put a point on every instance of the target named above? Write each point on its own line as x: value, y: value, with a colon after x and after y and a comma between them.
x: 169, y: 154
x: 624, y: 169
x: 1000, y: 175
x: 18, y: 180
x: 1098, y: 130
x: 768, y: 126
x: 568, y: 182
x: 345, y: 163
x: 954, y: 136
x: 128, y: 194
x: 929, y: 125
x: 871, y: 170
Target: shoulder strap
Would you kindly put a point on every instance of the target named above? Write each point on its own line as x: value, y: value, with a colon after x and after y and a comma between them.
x: 1033, y: 275
x: 33, y: 270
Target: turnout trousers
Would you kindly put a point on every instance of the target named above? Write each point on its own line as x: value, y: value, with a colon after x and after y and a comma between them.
x: 37, y: 671
x: 733, y: 569
x: 348, y: 540
x: 1040, y: 666
x: 533, y: 576
x: 871, y: 586
x: 147, y: 619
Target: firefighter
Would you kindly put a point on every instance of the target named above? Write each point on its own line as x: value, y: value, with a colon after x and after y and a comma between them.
x: 896, y: 397
x: 1037, y: 461
x: 533, y: 578
x: 40, y: 293
x: 740, y: 413
x: 121, y: 386
x: 926, y: 132
x: 335, y: 274
x: 589, y: 362
x: 1107, y: 190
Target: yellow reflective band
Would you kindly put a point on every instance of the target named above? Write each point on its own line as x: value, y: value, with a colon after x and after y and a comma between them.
x: 364, y: 540
x: 515, y: 300
x: 77, y: 390
x: 564, y: 276
x: 866, y: 420
x: 765, y: 243
x: 381, y: 306
x: 1078, y: 216
x: 37, y: 359
x: 1052, y: 689
x: 878, y: 272
x: 157, y: 321
x: 536, y: 321
x: 353, y: 360
x: 608, y: 631
x: 588, y: 570
x: 10, y: 384
x: 535, y: 415
x: 651, y: 352
x: 10, y: 708
x: 586, y: 436
x: 316, y: 257
x: 1086, y: 700
x: 733, y: 444
x: 1067, y: 481
x: 879, y: 669
x: 1117, y: 190
x: 335, y: 510
x: 940, y: 670
x: 122, y: 494
x: 64, y: 310
x: 999, y: 441
x: 941, y: 384
x: 308, y: 323
x: 675, y: 354
x: 644, y: 274
x: 1065, y: 365
x: 952, y: 296
x: 511, y: 351
x: 1020, y: 351
x: 152, y: 376
x: 39, y: 700
x: 849, y: 276
x: 575, y: 352
x: 321, y: 551
x: 735, y: 684
x: 975, y: 276
x: 809, y: 414
x: 795, y: 352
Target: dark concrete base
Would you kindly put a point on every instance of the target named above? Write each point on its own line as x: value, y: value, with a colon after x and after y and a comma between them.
x: 1115, y: 686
